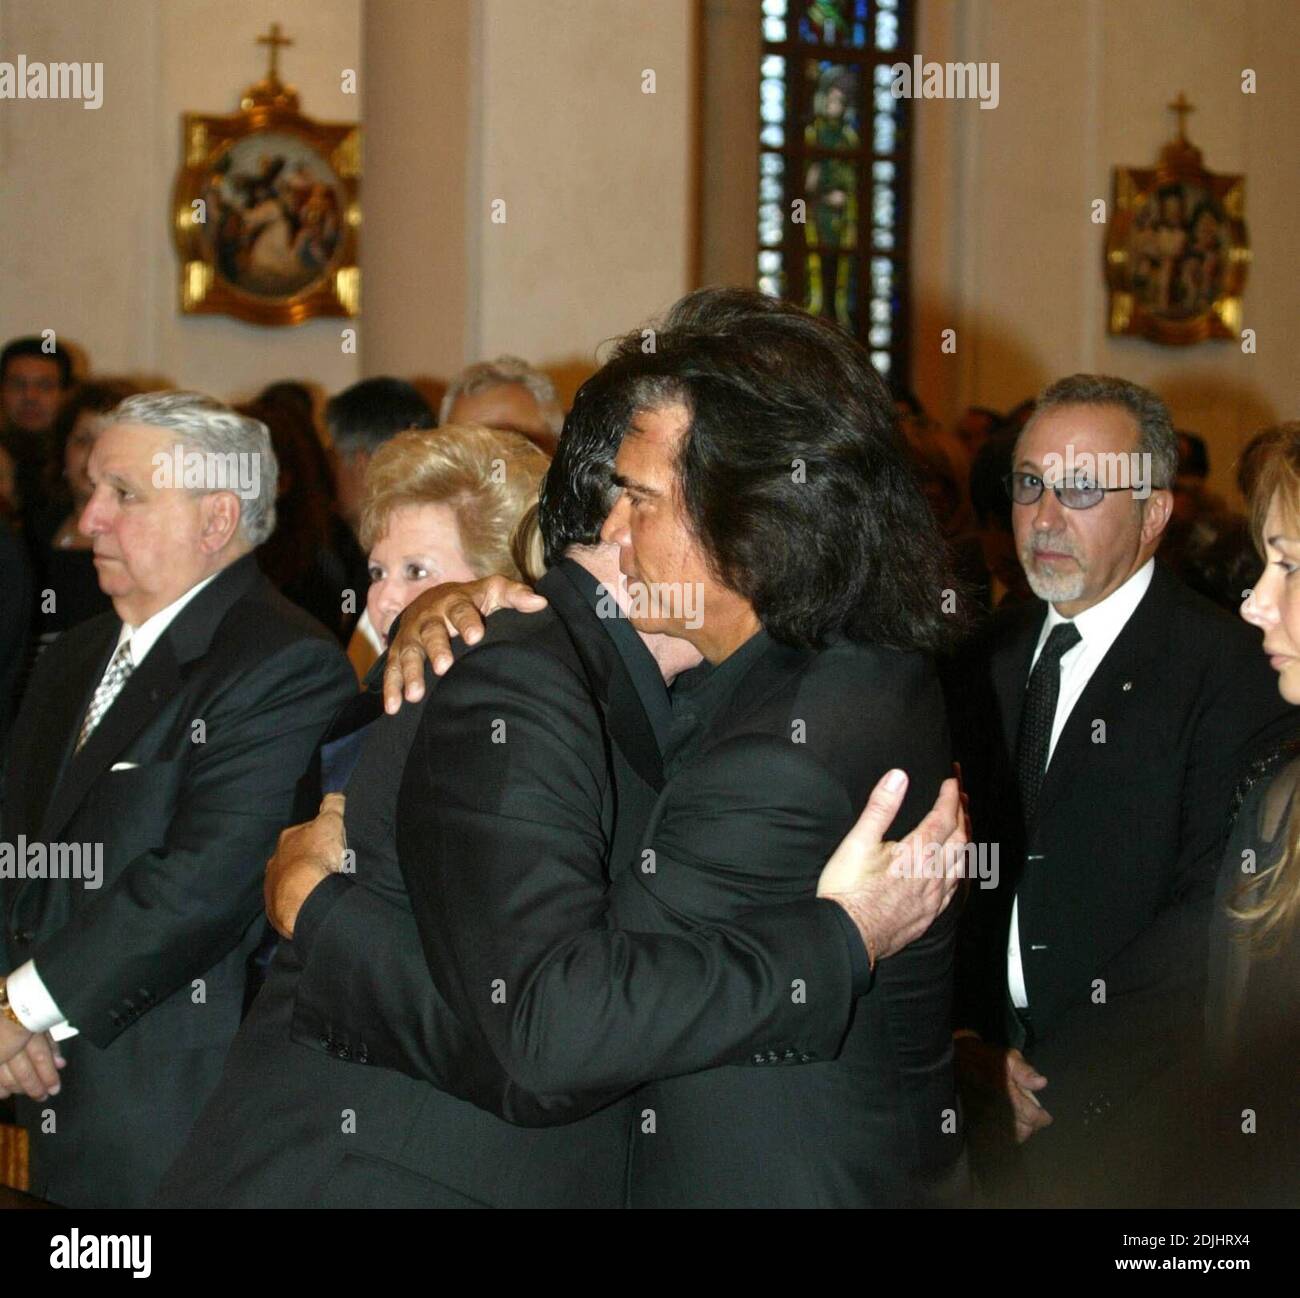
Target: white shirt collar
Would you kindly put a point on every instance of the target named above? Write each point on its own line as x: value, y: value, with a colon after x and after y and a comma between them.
x: 1100, y: 625
x: 149, y: 632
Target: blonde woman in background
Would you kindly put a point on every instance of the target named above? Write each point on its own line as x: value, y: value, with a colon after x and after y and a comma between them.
x: 1254, y: 983
x: 441, y: 504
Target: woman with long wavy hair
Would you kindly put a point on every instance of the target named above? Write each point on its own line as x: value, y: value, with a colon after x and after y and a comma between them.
x: 1254, y: 984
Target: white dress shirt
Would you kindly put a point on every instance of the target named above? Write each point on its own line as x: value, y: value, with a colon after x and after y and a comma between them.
x: 1099, y: 628
x: 28, y: 995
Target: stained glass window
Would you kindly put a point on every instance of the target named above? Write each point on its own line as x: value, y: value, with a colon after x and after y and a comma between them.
x: 834, y: 167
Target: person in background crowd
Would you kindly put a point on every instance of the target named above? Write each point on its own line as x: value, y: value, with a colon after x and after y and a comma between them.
x: 359, y: 420
x: 1101, y: 729
x: 34, y: 379
x: 509, y: 394
x: 10, y: 505
x: 425, y: 501
x: 944, y: 471
x: 106, y: 751
x: 312, y: 556
x: 1190, y: 494
x: 909, y: 409
x: 440, y: 506
x: 1253, y: 1003
x: 992, y: 508
x: 975, y: 427
x: 1206, y: 544
x: 66, y: 581
x: 306, y: 397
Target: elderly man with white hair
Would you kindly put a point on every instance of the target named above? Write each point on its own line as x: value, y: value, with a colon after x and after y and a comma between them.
x: 507, y: 394
x: 153, y: 764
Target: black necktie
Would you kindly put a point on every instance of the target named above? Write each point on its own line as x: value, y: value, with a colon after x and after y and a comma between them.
x: 1035, y: 735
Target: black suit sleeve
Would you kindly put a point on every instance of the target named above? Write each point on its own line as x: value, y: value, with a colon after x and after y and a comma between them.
x: 502, y: 845
x: 365, y: 986
x: 386, y: 1006
x: 171, y: 914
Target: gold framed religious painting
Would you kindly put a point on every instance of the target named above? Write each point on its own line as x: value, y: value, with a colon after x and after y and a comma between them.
x: 266, y: 209
x: 1177, y: 251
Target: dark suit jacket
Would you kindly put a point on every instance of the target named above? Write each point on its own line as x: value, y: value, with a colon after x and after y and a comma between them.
x: 517, y: 926
x: 350, y: 1023
x: 15, y: 628
x: 150, y: 966
x: 353, y: 988
x: 747, y: 822
x: 1116, y: 883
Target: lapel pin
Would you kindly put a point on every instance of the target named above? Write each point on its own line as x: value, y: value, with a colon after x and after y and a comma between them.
x: 1128, y: 685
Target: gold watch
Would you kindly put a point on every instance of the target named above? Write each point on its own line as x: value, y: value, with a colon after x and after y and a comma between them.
x: 5, y: 1008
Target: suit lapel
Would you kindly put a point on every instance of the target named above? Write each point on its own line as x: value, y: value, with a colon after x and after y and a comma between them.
x: 157, y: 678
x: 49, y: 760
x: 616, y: 694
x: 1121, y: 678
x: 1009, y: 669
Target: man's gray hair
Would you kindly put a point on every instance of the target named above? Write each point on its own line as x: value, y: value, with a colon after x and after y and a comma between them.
x: 506, y: 369
x: 1156, y: 436
x: 204, y: 425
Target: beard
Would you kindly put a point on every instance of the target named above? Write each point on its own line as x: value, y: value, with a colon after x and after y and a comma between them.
x: 1054, y: 587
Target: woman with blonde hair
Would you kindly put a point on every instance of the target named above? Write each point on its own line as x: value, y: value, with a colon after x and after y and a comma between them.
x: 441, y: 504
x: 1254, y: 983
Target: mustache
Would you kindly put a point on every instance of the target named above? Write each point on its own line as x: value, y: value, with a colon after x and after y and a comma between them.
x: 1056, y: 544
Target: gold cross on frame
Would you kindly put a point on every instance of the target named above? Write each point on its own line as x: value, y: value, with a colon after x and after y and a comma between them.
x: 1182, y: 108
x: 275, y: 41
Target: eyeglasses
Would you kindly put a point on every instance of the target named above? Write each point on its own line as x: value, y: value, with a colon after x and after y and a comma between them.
x: 1026, y: 488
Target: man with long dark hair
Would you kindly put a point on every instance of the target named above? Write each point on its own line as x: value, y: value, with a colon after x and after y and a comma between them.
x: 765, y: 513
x: 555, y: 728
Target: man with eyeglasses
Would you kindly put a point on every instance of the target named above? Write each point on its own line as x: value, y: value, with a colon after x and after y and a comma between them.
x: 1102, y: 731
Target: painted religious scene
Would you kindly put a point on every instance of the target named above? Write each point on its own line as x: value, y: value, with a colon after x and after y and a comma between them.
x: 274, y: 214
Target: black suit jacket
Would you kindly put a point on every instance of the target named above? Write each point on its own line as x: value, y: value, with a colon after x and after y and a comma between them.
x: 15, y: 628
x: 1116, y: 883
x: 349, y: 1022
x: 217, y: 724
x: 502, y: 842
x: 744, y: 827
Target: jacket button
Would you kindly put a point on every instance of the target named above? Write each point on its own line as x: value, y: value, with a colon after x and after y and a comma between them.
x: 760, y: 1059
x: 363, y: 1055
x: 344, y: 1052
x: 806, y: 1058
x: 23, y: 935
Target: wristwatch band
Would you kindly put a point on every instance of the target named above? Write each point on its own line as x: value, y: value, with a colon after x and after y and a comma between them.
x: 5, y: 1008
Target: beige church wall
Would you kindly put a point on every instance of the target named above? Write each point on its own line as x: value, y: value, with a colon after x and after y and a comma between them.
x: 1004, y: 249
x: 85, y: 239
x: 418, y: 103
x: 537, y: 104
x: 596, y: 176
x: 732, y: 53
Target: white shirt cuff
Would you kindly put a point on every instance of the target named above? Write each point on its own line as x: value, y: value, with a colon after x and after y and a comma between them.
x: 35, y: 1007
